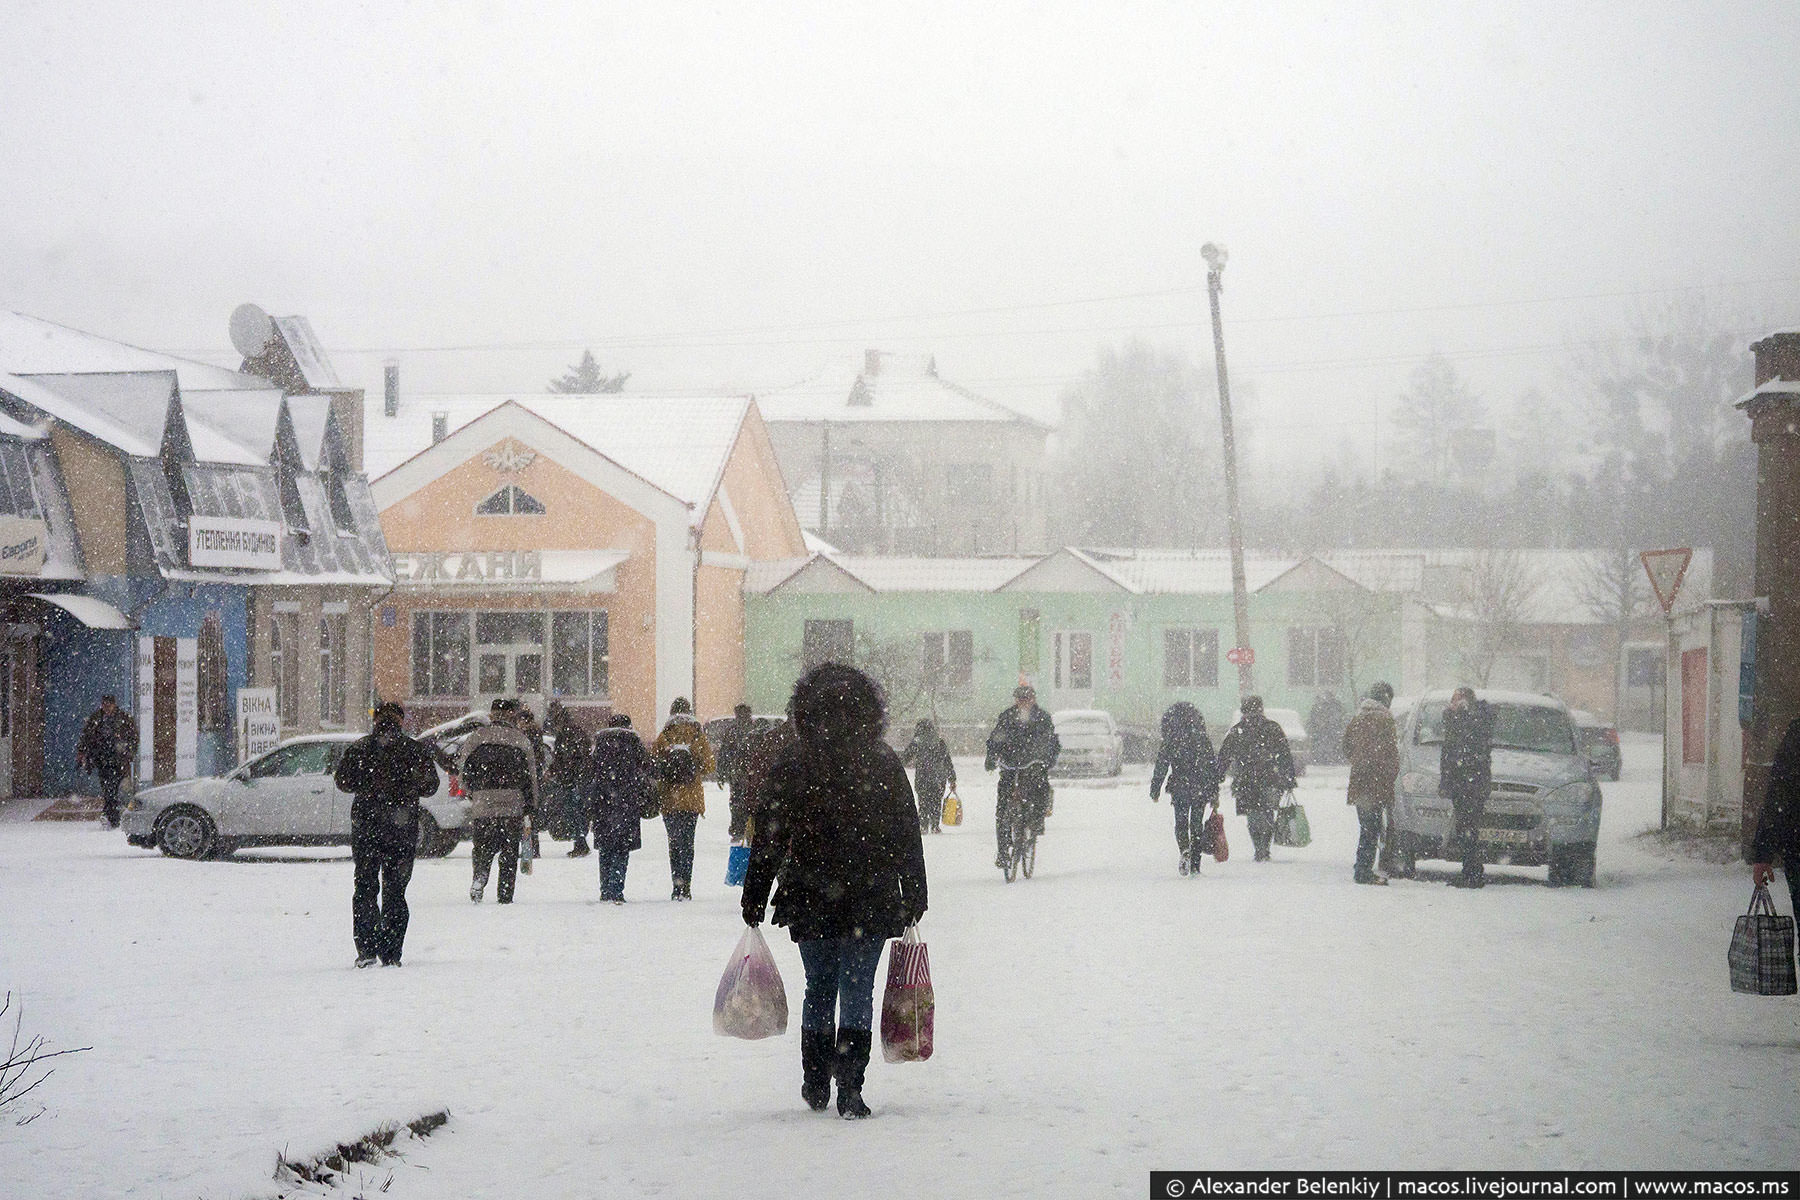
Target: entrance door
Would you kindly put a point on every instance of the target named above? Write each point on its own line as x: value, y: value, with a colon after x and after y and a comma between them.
x: 509, y: 656
x: 1072, y: 672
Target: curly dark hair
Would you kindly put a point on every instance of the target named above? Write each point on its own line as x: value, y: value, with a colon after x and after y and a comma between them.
x: 835, y: 703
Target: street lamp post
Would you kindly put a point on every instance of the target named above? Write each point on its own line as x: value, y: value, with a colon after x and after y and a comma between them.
x: 1240, y: 601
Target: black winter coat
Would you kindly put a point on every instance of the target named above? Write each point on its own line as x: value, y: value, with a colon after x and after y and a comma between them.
x: 733, y: 756
x: 388, y: 773
x: 933, y: 770
x: 1465, y: 767
x: 838, y: 825
x: 108, y: 744
x: 1255, y: 751
x: 1778, y: 825
x: 1191, y: 768
x: 619, y: 787
x: 1015, y: 742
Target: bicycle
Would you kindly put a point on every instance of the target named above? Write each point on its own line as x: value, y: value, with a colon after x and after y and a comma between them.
x: 1021, y: 857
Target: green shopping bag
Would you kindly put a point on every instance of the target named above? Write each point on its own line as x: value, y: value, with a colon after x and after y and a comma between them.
x: 1291, y: 825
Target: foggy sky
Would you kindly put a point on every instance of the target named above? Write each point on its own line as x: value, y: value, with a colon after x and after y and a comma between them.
x: 735, y: 196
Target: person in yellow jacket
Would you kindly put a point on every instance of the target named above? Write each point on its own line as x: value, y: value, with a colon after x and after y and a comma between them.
x: 683, y: 758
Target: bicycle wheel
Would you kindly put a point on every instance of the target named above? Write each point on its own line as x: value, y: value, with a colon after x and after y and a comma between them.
x: 1011, y: 869
x: 1028, y: 854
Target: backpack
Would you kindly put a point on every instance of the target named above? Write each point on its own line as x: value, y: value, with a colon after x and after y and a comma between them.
x: 675, y: 766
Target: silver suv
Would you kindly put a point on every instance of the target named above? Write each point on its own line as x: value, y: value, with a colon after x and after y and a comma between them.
x: 1544, y: 807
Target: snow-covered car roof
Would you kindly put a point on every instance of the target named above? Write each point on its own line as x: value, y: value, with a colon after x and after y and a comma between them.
x: 1080, y: 714
x: 1530, y: 699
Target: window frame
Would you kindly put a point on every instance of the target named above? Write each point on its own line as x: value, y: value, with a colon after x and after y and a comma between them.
x: 513, y: 494
x: 1199, y: 648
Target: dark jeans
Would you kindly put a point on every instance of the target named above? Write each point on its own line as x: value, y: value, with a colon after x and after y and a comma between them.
x: 681, y: 845
x: 378, y: 912
x: 1261, y: 821
x: 612, y: 871
x: 109, y: 796
x: 1368, y: 842
x: 1190, y: 816
x: 1029, y: 788
x: 840, y: 982
x: 497, y: 835
x: 740, y: 811
x: 1468, y: 813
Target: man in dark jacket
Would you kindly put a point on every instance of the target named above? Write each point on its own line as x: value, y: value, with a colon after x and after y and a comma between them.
x: 565, y: 779
x: 621, y: 790
x: 733, y: 756
x: 388, y: 773
x: 498, y: 766
x: 109, y: 741
x: 1255, y: 753
x: 1778, y: 825
x: 1371, y: 744
x: 1466, y: 776
x: 1024, y: 746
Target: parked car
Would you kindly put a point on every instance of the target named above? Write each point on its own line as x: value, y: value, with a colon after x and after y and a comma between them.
x: 1599, y: 740
x: 283, y: 798
x: 1091, y: 744
x: 1544, y: 808
x: 715, y: 729
x: 1299, y: 744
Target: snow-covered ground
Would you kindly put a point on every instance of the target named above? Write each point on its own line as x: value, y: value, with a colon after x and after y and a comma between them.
x: 1102, y: 1019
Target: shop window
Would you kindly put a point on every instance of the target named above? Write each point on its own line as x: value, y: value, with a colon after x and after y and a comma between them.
x: 284, y: 667
x: 578, y: 654
x: 1074, y: 660
x: 1190, y: 658
x: 17, y: 496
x: 947, y: 660
x: 1316, y: 657
x: 510, y: 501
x: 827, y: 641
x: 440, y: 659
x: 334, y: 661
x: 214, y: 715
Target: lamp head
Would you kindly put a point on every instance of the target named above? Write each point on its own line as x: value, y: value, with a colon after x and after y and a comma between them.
x: 1214, y: 254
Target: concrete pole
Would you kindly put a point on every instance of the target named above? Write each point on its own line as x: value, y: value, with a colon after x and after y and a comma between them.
x: 1240, y: 601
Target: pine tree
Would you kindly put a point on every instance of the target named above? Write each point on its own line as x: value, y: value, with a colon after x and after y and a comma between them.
x: 586, y: 378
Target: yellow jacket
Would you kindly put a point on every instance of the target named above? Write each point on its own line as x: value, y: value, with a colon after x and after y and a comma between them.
x: 684, y: 730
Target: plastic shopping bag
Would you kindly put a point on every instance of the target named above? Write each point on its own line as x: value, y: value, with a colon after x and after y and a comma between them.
x: 952, y: 810
x: 1762, y: 949
x: 908, y: 1006
x: 737, y: 866
x: 751, y: 1002
x: 1291, y: 826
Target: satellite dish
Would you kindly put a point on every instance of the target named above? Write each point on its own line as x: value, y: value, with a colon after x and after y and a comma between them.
x: 252, y: 330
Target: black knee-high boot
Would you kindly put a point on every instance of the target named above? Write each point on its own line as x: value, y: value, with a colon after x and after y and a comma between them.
x: 818, y: 1055
x: 852, y: 1061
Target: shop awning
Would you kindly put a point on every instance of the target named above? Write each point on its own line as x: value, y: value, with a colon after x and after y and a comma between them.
x: 95, y: 614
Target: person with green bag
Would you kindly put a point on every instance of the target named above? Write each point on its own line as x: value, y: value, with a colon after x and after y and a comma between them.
x: 1256, y: 755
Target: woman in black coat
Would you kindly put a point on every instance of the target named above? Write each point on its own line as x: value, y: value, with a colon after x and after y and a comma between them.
x: 1186, y: 760
x: 1256, y: 754
x: 934, y: 774
x: 619, y: 788
x: 1466, y: 776
x: 836, y: 821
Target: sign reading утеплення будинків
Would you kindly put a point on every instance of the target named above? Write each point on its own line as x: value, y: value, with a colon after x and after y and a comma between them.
x: 234, y: 542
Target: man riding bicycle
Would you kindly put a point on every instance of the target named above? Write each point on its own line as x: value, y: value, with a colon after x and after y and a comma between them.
x: 1024, y: 746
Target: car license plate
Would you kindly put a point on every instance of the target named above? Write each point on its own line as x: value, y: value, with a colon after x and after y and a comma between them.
x: 1512, y: 837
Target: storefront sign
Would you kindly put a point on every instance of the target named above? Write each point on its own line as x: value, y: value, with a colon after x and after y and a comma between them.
x: 1117, y: 625
x: 187, y: 707
x: 258, y: 724
x: 146, y: 708
x: 470, y: 567
x: 234, y: 542
x: 21, y: 546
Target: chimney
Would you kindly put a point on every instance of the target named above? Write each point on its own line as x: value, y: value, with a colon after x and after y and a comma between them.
x: 440, y: 427
x: 1777, y: 357
x: 390, y: 388
x: 871, y: 362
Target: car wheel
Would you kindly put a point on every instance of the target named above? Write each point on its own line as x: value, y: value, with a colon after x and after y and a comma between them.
x: 1572, y: 867
x: 434, y: 842
x: 186, y: 832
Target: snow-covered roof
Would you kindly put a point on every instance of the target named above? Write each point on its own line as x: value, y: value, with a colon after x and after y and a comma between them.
x: 126, y: 410
x: 18, y: 429
x: 895, y: 574
x: 1183, y: 572
x: 315, y: 369
x: 678, y: 443
x: 248, y: 416
x: 1774, y: 387
x: 311, y: 415
x: 33, y: 346
x: 890, y: 387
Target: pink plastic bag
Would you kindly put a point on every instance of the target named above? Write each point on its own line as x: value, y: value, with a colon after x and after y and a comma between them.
x: 908, y: 1006
x: 751, y: 1002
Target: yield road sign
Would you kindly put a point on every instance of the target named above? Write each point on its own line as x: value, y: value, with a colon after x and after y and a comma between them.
x: 1241, y: 656
x: 1666, y: 569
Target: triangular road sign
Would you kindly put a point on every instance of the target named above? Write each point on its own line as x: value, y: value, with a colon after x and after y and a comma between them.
x: 1666, y: 569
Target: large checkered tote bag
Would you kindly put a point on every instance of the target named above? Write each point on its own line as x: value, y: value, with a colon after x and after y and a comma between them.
x: 1762, y: 949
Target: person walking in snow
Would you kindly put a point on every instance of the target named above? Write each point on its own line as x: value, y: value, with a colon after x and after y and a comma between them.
x: 498, y: 767
x: 734, y: 768
x: 108, y: 744
x: 388, y: 773
x: 837, y: 825
x: 566, y: 779
x: 1187, y: 762
x: 934, y: 774
x: 620, y: 789
x: 1778, y: 824
x: 1372, y: 747
x: 1024, y: 746
x: 684, y: 758
x: 1466, y: 776
x: 1256, y: 754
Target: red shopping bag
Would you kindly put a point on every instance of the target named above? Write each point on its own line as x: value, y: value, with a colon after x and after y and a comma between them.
x: 908, y: 1005
x: 1215, y: 837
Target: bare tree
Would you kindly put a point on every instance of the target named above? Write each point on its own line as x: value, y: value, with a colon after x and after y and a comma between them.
x: 19, y: 1070
x: 1434, y: 408
x: 1612, y: 586
x: 1498, y: 590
